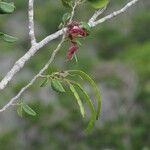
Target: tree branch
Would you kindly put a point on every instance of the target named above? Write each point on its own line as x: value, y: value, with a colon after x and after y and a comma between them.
x: 95, y: 23
x: 26, y: 57
x: 35, y: 77
x: 46, y: 65
x: 21, y: 62
x: 96, y: 15
x: 31, y: 22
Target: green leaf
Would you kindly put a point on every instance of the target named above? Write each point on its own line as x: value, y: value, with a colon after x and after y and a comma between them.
x: 6, y: 8
x: 87, y: 77
x: 97, y: 4
x: 60, y: 26
x: 76, y: 58
x: 86, y: 26
x: 9, y: 38
x: 67, y: 3
x: 19, y: 110
x: 78, y: 42
x: 44, y: 83
x: 73, y: 90
x: 66, y: 17
x: 90, y: 105
x: 28, y: 109
x: 57, y: 86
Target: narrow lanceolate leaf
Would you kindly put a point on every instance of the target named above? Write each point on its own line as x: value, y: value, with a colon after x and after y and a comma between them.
x: 57, y: 86
x: 90, y: 105
x: 7, y: 38
x: 44, y: 83
x: 73, y: 90
x: 87, y: 77
x: 99, y: 3
x: 28, y: 110
x: 6, y: 8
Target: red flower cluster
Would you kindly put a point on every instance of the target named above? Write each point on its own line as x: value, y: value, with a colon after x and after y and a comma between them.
x: 74, y: 31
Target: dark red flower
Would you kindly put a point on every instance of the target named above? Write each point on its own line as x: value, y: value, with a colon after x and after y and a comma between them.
x: 71, y: 51
x: 74, y: 31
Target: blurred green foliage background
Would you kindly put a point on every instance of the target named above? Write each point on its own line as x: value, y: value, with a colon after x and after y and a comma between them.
x: 116, y: 55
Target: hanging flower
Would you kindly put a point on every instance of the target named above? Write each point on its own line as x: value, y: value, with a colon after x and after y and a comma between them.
x: 74, y: 31
x: 71, y: 51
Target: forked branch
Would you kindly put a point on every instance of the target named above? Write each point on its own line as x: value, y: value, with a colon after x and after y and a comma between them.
x: 36, y: 46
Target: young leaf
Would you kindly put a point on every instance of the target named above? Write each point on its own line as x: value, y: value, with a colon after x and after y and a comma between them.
x: 60, y: 26
x: 44, y: 83
x: 28, y: 109
x: 73, y: 90
x: 97, y: 4
x: 66, y: 17
x: 6, y: 8
x: 90, y: 104
x: 87, y: 77
x: 85, y: 26
x: 57, y: 86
